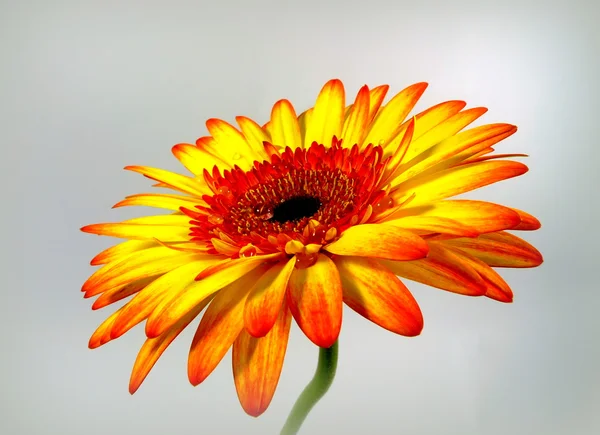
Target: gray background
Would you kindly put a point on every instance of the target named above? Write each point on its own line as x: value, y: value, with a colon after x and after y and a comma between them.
x: 88, y: 87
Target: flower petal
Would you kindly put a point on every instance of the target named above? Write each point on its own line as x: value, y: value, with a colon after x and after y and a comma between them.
x: 142, y: 305
x: 328, y: 115
x: 266, y: 297
x: 121, y: 250
x: 232, y: 146
x: 315, y: 299
x: 102, y: 334
x: 433, y: 224
x: 285, y: 130
x: 379, y: 241
x: 356, y: 123
x: 257, y: 364
x: 376, y: 97
x: 197, y: 159
x: 116, y: 294
x: 377, y: 294
x: 441, y: 269
x: 528, y: 222
x: 175, y: 181
x: 141, y: 231
x: 255, y: 135
x: 428, y: 188
x: 481, y: 217
x: 153, y: 348
x: 177, y: 304
x: 499, y: 249
x: 219, y: 327
x: 443, y: 130
x: 161, y: 200
x: 389, y: 119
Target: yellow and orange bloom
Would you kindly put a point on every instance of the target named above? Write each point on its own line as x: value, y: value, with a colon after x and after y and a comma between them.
x: 292, y: 219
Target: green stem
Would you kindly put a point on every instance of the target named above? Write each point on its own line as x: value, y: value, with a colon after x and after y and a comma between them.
x: 314, y: 391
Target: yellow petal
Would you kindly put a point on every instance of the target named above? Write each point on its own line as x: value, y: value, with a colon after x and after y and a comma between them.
x: 116, y: 294
x: 121, y: 250
x: 441, y: 269
x: 315, y: 300
x: 177, y: 304
x: 377, y: 294
x: 285, y: 130
x: 255, y: 135
x: 153, y: 348
x: 389, y: 119
x: 433, y: 224
x: 161, y: 200
x: 231, y: 145
x: 379, y: 241
x: 219, y: 327
x: 428, y: 188
x: 174, y: 181
x: 266, y: 297
x: 257, y: 364
x: 196, y: 159
x: 357, y: 120
x: 376, y: 97
x: 327, y: 116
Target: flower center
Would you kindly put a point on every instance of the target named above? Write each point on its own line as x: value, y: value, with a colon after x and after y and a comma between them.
x: 309, y: 195
x: 296, y: 208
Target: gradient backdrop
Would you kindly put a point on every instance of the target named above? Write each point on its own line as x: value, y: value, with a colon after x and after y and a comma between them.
x: 88, y: 87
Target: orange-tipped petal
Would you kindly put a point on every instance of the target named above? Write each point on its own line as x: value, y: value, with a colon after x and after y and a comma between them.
x: 266, y: 297
x: 315, y: 299
x: 140, y: 307
x: 177, y: 304
x: 221, y: 324
x: 174, y: 181
x: 528, y: 222
x: 379, y: 241
x: 428, y: 188
x: 441, y: 269
x: 161, y: 200
x: 481, y: 217
x: 328, y: 115
x: 377, y: 294
x: 197, y: 159
x: 436, y: 115
x: 153, y: 348
x: 376, y: 97
x: 171, y: 228
x: 388, y: 121
x: 443, y: 130
x: 101, y: 335
x: 499, y: 249
x: 121, y: 250
x: 119, y: 293
x: 356, y: 123
x: 285, y: 130
x: 255, y: 135
x: 257, y: 364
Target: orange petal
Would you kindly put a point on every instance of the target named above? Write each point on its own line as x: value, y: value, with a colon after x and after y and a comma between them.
x: 499, y: 249
x: 153, y: 348
x: 481, y: 217
x: 441, y: 269
x: 177, y: 304
x: 119, y: 293
x: 266, y: 297
x: 428, y: 188
x: 102, y: 334
x: 161, y: 200
x: 443, y: 130
x: 377, y: 294
x: 143, y: 264
x: 379, y: 241
x: 140, y: 307
x: 376, y: 97
x: 528, y: 222
x: 388, y: 121
x: 197, y: 159
x: 232, y: 146
x: 495, y: 287
x: 433, y: 224
x: 182, y: 183
x: 356, y: 123
x: 219, y: 327
x: 435, y: 115
x: 285, y: 130
x: 315, y: 299
x: 328, y: 115
x: 257, y: 364
x: 121, y: 250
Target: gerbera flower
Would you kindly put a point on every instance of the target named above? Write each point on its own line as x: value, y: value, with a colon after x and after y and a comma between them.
x: 292, y: 219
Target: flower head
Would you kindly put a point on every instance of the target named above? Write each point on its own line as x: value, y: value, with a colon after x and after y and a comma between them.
x: 295, y: 218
